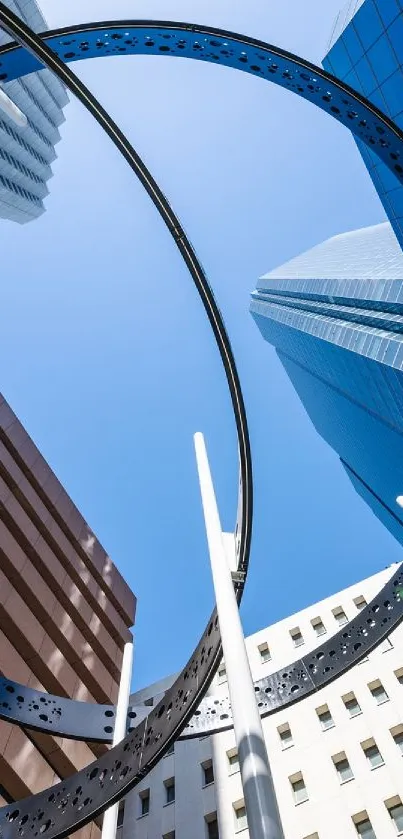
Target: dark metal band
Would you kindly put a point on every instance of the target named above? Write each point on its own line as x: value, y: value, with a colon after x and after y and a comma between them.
x: 81, y: 720
x: 74, y: 802
x: 217, y: 46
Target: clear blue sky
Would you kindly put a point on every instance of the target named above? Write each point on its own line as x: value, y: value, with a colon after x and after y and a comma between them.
x: 107, y: 357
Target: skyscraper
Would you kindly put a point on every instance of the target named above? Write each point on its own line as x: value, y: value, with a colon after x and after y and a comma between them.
x: 335, y: 755
x: 26, y: 153
x: 335, y: 316
x: 366, y: 51
x: 334, y: 313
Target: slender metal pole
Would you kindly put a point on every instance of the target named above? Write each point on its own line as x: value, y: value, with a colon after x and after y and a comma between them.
x: 260, y: 799
x: 110, y: 819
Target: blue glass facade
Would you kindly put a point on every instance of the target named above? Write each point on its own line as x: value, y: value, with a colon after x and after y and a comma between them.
x: 366, y: 51
x: 335, y: 316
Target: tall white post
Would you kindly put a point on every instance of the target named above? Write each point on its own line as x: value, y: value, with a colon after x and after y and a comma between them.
x: 110, y: 819
x: 260, y: 799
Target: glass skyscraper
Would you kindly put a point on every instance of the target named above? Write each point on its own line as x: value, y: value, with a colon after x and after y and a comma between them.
x: 366, y: 51
x: 26, y: 153
x: 335, y: 313
x: 335, y: 316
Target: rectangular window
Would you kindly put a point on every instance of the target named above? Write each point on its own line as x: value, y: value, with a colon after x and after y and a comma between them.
x: 340, y: 616
x: 222, y: 674
x: 169, y: 785
x: 399, y: 675
x: 319, y: 626
x: 398, y: 738
x: 396, y: 813
x: 385, y: 645
x: 284, y: 732
x: 325, y: 718
x: 144, y: 802
x: 360, y: 602
x: 298, y: 787
x: 378, y: 692
x: 208, y: 773
x: 212, y: 826
x: 264, y: 651
x: 352, y: 705
x: 241, y: 821
x: 343, y: 768
x: 121, y: 814
x: 296, y: 637
x: 364, y: 829
x: 233, y: 761
x: 170, y: 835
x: 372, y: 754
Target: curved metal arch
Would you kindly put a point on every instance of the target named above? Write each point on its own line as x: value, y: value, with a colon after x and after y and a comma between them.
x: 218, y: 46
x: 87, y: 721
x: 71, y: 804
x: 75, y: 802
x: 318, y: 668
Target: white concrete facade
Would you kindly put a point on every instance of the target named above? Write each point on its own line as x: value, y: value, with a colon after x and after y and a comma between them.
x: 26, y: 153
x: 346, y: 765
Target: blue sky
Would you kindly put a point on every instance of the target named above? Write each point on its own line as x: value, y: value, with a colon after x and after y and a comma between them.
x: 108, y: 359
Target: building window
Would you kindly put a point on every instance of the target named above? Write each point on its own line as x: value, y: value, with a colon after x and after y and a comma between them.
x: 352, y: 705
x: 241, y: 821
x: 399, y: 675
x: 285, y: 734
x: 372, y: 754
x: 378, y: 692
x: 360, y: 602
x: 385, y: 646
x: 212, y: 826
x: 397, y: 734
x: 264, y: 651
x: 144, y: 796
x: 343, y: 767
x: 395, y: 810
x: 298, y: 787
x: 121, y: 814
x: 325, y: 717
x: 296, y: 637
x: 208, y: 773
x: 233, y: 761
x: 319, y: 626
x: 222, y: 673
x: 340, y: 616
x: 363, y: 826
x: 170, y: 835
x: 169, y: 785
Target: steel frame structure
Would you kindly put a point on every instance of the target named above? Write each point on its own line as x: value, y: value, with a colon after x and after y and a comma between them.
x: 75, y: 801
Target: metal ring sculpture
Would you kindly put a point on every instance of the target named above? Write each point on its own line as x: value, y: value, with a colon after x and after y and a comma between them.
x: 86, y: 721
x: 76, y: 801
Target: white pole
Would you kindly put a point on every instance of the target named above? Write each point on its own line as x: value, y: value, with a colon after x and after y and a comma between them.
x: 12, y: 110
x: 110, y: 819
x: 260, y: 799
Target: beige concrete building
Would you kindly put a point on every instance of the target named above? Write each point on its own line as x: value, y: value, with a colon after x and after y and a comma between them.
x: 336, y: 756
x: 65, y: 612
